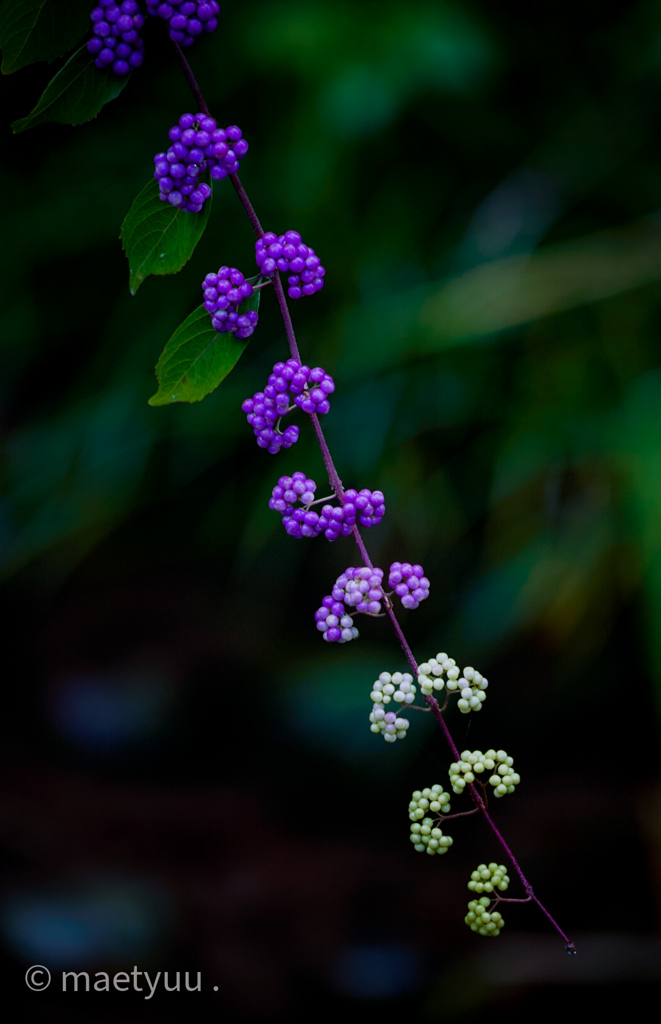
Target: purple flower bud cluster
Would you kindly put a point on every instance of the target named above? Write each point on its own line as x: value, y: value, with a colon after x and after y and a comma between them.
x: 116, y: 36
x: 309, y: 389
x: 197, y: 144
x: 288, y: 254
x: 186, y: 18
x: 223, y: 294
x: 334, y: 521
x: 409, y: 583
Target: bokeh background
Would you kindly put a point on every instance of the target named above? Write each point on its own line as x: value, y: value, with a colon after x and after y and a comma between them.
x: 189, y: 781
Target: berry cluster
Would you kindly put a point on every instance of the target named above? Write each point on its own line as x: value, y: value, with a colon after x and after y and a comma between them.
x: 360, y: 588
x: 116, y: 35
x: 186, y: 18
x: 388, y: 724
x: 433, y: 799
x: 223, y: 294
x: 366, y: 507
x: 310, y: 390
x: 334, y: 623
x: 471, y: 685
x: 428, y: 838
x: 474, y: 762
x: 289, y: 490
x: 355, y: 588
x: 334, y: 521
x: 398, y: 687
x: 197, y: 144
x: 288, y: 254
x: 482, y: 921
x: 488, y: 877
x: 409, y: 583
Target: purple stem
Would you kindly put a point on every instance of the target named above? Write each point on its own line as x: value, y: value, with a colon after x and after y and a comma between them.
x: 190, y: 78
x: 286, y: 319
x: 247, y: 205
x: 336, y: 484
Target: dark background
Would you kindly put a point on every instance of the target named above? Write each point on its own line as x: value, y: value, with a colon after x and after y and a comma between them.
x: 188, y: 780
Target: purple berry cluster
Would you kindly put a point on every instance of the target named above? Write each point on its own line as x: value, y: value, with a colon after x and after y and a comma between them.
x: 223, y: 294
x: 309, y: 389
x: 288, y: 254
x: 298, y: 522
x: 359, y: 588
x: 116, y: 36
x: 334, y: 622
x: 366, y: 507
x: 362, y: 589
x: 409, y: 583
x: 186, y: 18
x: 197, y: 144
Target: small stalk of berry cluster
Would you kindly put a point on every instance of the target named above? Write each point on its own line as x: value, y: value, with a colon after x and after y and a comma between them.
x: 336, y: 484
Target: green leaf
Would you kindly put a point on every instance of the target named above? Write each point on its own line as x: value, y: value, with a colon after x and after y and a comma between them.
x: 197, y: 358
x: 159, y: 238
x: 76, y: 93
x: 34, y: 30
x: 251, y: 305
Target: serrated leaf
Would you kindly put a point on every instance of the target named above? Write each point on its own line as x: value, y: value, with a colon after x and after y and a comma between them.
x: 159, y: 238
x: 34, y: 30
x: 195, y: 360
x: 76, y: 94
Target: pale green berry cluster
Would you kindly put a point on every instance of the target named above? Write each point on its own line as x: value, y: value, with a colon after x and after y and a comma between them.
x: 433, y: 799
x: 471, y: 684
x: 428, y: 837
x: 481, y: 920
x: 388, y: 723
x: 474, y: 763
x: 398, y: 687
x: 488, y: 877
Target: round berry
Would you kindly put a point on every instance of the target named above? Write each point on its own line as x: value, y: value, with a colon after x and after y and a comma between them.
x: 428, y: 837
x: 409, y: 583
x: 115, y: 38
x: 471, y: 685
x: 224, y: 293
x: 481, y: 920
x: 496, y: 763
x: 196, y: 148
x: 186, y: 19
x: 288, y: 254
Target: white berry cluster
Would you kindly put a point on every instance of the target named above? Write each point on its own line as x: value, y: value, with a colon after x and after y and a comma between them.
x: 428, y: 837
x: 398, y: 687
x: 388, y: 724
x: 433, y: 799
x: 488, y: 877
x: 481, y: 920
x: 474, y: 762
x: 471, y: 685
